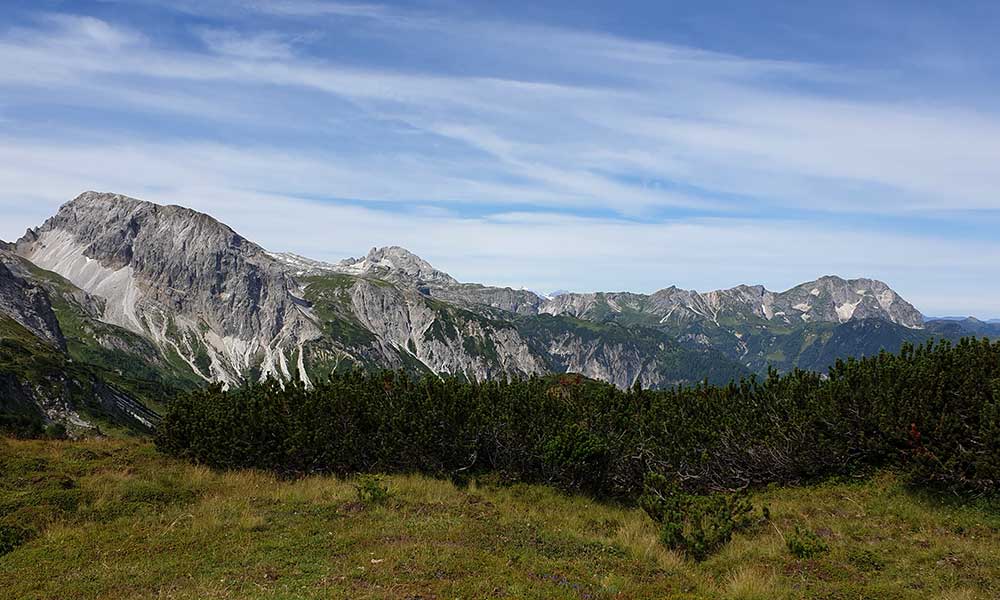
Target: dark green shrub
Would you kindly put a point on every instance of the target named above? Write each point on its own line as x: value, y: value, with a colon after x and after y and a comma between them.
x: 698, y: 526
x: 577, y: 454
x: 56, y: 431
x: 933, y: 410
x: 21, y: 426
x: 804, y: 543
x: 12, y: 536
x: 866, y: 560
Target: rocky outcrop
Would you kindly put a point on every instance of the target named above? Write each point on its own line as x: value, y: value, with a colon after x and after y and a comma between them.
x: 445, y: 338
x: 475, y: 297
x: 624, y: 356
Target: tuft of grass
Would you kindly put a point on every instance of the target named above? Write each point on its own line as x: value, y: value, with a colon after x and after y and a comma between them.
x: 112, y: 519
x: 749, y: 583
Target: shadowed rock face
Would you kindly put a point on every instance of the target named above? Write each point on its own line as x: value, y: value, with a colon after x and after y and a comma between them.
x: 27, y: 303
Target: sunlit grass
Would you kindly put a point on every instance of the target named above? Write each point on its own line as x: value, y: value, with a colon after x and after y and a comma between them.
x: 115, y: 520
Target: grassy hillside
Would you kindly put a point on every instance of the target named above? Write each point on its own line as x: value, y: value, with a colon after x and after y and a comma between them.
x: 31, y: 370
x: 113, y: 519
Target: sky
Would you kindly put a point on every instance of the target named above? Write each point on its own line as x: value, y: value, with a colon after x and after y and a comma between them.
x: 571, y: 145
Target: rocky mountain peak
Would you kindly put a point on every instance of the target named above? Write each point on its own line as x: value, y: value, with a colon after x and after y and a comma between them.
x: 396, y: 264
x: 177, y: 276
x: 833, y: 298
x: 120, y: 214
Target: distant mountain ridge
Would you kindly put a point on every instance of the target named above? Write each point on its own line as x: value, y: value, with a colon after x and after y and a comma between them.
x: 155, y: 297
x: 829, y: 298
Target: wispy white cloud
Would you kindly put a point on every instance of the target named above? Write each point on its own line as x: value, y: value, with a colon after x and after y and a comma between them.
x: 260, y: 46
x: 283, y: 8
x: 92, y: 32
x: 319, y: 8
x: 698, y: 118
x: 565, y: 122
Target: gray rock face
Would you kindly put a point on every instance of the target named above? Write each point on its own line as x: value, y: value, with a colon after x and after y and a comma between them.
x: 838, y: 300
x: 445, y: 339
x: 27, y: 303
x: 620, y: 363
x: 475, y: 296
x: 178, y: 277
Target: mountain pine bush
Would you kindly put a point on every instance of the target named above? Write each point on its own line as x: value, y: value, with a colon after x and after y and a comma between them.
x: 932, y: 409
x: 696, y: 525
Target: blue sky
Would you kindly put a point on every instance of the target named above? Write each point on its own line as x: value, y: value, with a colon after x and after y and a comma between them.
x: 556, y: 145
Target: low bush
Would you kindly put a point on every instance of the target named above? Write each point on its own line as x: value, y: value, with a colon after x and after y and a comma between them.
x: 866, y: 560
x: 21, y: 426
x: 804, y: 543
x: 372, y: 491
x: 695, y: 525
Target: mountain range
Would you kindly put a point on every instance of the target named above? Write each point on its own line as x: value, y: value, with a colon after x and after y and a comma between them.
x: 114, y: 303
